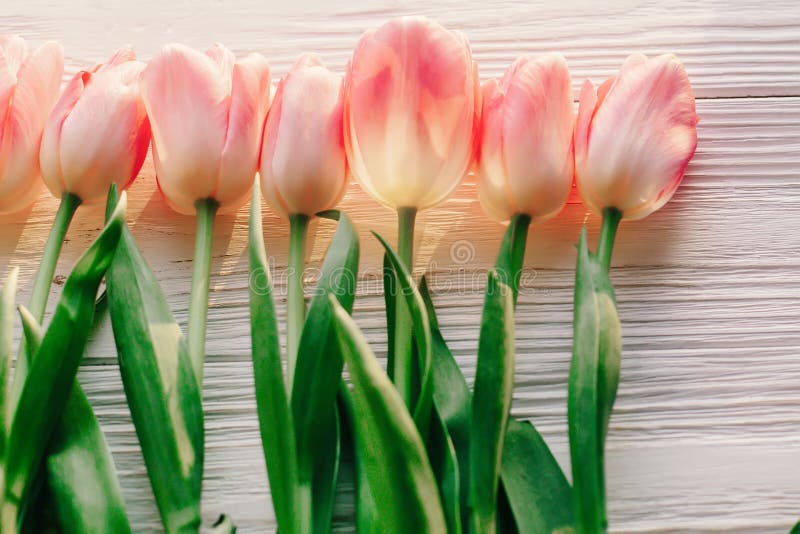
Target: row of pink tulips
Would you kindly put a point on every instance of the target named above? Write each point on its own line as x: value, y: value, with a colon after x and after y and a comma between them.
x: 408, y: 130
x: 408, y: 120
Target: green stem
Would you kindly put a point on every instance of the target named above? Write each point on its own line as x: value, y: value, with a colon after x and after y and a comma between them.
x: 295, y: 305
x: 608, y: 231
x: 41, y: 285
x: 52, y: 249
x: 403, y: 364
x: 521, y: 223
x: 201, y: 272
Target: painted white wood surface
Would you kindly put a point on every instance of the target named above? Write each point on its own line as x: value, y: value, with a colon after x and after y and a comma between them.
x: 705, y: 434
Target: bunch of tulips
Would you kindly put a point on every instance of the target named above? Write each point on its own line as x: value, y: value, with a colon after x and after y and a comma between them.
x: 409, y: 120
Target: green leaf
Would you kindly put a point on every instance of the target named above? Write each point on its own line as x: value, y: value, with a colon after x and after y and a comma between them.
x: 400, y: 477
x: 274, y: 417
x: 326, y: 473
x: 52, y: 372
x: 81, y: 478
x: 505, y: 517
x: 453, y: 403
x: 160, y: 385
x: 422, y: 335
x: 389, y: 301
x: 319, y: 369
x: 366, y: 513
x: 537, y: 490
x: 31, y: 329
x: 7, y: 295
x: 593, y: 379
x: 444, y: 462
x: 795, y: 528
x: 491, y: 402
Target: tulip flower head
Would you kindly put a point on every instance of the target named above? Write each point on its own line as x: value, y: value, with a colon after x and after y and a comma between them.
x: 635, y: 136
x: 303, y: 165
x: 411, y: 101
x: 98, y: 132
x: 29, y: 84
x: 525, y: 156
x: 207, y: 112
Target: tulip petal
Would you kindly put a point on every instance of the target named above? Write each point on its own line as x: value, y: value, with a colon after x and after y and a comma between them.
x: 453, y: 131
x: 641, y: 138
x: 269, y: 186
x: 308, y: 59
x: 411, y: 109
x: 50, y: 151
x: 538, y: 127
x: 8, y: 81
x: 249, y: 102
x: 586, y: 107
x: 100, y: 139
x: 493, y: 190
x: 225, y: 60
x: 307, y: 115
x: 38, y: 81
x: 187, y: 102
x: 14, y: 50
x: 123, y: 55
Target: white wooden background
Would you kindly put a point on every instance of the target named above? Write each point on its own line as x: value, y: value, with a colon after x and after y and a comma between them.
x: 706, y: 430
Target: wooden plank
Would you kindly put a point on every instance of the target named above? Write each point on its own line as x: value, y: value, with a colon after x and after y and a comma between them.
x: 730, y: 48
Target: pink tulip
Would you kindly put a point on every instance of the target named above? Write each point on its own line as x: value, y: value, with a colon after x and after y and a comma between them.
x: 303, y: 166
x: 98, y: 132
x: 634, y: 136
x: 207, y: 112
x: 411, y: 102
x: 29, y: 84
x: 525, y: 158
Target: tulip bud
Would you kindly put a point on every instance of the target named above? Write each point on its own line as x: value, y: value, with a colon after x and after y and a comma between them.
x: 303, y: 166
x: 207, y: 113
x: 525, y: 159
x: 634, y: 136
x: 411, y: 101
x: 29, y: 84
x: 98, y: 132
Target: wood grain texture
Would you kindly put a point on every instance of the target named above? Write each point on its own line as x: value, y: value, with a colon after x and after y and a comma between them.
x: 705, y: 434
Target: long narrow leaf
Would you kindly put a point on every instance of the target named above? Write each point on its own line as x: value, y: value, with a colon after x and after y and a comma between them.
x: 326, y: 473
x: 81, y: 479
x: 453, y: 403
x: 538, y: 493
x: 400, y: 477
x: 389, y: 302
x: 366, y: 512
x: 319, y: 369
x: 422, y: 335
x: 31, y: 329
x: 7, y: 296
x: 81, y: 475
x: 274, y: 416
x: 444, y: 462
x: 160, y: 386
x: 590, y: 387
x: 491, y: 404
x: 53, y: 371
